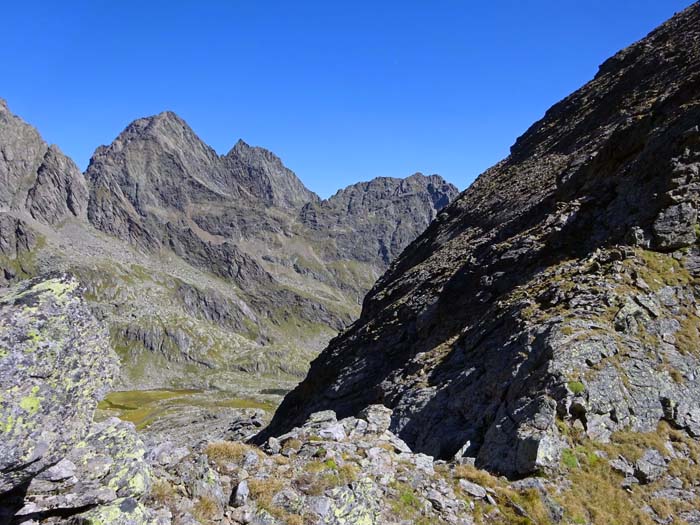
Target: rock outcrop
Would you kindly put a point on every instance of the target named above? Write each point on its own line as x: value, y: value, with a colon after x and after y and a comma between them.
x: 55, y: 365
x: 35, y: 177
x: 558, y: 292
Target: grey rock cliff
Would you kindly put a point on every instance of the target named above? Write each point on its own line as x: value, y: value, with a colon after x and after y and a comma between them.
x: 262, y: 173
x: 559, y: 291
x: 36, y: 177
x: 374, y: 221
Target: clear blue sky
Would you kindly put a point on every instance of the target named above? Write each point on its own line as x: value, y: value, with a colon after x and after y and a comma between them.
x: 342, y: 91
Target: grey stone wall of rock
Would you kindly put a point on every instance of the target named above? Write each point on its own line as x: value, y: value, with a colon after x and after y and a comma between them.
x: 262, y: 173
x: 36, y: 177
x: 559, y: 289
x: 55, y: 364
x: 56, y: 464
x: 374, y: 221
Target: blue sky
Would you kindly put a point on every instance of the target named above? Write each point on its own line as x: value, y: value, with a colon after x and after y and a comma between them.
x: 342, y: 91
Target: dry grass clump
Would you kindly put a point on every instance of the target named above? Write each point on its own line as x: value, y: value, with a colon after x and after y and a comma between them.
x: 291, y: 446
x: 162, y: 492
x: 595, y: 494
x: 320, y: 476
x: 262, y: 490
x: 224, y: 452
x: 514, y: 508
x: 205, y: 510
x: 688, y: 337
x: 475, y: 475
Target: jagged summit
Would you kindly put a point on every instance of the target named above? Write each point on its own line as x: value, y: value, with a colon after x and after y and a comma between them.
x: 35, y: 178
x: 229, y: 277
x: 375, y: 220
x: 264, y: 175
x: 555, y: 292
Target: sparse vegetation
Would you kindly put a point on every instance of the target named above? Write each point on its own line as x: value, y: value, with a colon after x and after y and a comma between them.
x: 229, y: 452
x: 576, y: 387
x: 162, y: 492
x: 205, y: 510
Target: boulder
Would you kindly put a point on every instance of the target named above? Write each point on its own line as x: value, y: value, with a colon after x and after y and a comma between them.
x: 55, y: 364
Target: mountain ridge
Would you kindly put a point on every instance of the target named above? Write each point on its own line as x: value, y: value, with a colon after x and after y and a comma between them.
x: 455, y: 337
x: 189, y: 256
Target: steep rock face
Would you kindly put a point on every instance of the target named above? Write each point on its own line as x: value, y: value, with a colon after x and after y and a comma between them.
x: 559, y: 290
x: 16, y: 238
x: 374, y: 221
x: 262, y: 173
x: 150, y: 175
x: 35, y: 177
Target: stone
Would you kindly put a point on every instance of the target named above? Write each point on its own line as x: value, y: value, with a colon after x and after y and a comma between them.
x: 320, y: 505
x: 472, y: 489
x: 622, y: 465
x: 335, y: 432
x: 650, y: 467
x: 241, y: 494
x: 378, y: 418
x: 55, y: 365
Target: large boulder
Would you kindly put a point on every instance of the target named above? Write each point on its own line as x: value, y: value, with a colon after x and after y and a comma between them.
x: 55, y: 364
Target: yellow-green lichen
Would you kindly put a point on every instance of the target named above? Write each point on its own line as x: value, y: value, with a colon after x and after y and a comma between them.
x: 31, y: 402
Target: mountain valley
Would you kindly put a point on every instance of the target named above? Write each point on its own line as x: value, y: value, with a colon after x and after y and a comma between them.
x: 193, y: 338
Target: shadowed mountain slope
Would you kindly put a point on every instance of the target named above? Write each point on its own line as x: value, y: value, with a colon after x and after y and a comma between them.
x: 559, y: 291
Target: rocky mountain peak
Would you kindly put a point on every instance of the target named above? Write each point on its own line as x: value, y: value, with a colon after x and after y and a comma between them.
x: 157, y: 134
x: 264, y: 175
x: 36, y: 178
x: 375, y: 220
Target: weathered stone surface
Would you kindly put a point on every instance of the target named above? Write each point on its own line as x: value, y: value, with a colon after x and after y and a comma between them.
x: 374, y: 221
x: 262, y: 174
x: 55, y: 364
x: 105, y: 467
x: 650, y: 466
x: 15, y: 237
x: 36, y: 177
x: 58, y: 466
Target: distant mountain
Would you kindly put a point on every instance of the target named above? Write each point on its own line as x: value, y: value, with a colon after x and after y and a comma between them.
x: 208, y: 269
x: 374, y: 221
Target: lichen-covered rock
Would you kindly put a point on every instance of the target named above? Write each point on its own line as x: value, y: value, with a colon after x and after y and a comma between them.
x: 125, y: 511
x: 55, y: 364
x: 104, y: 467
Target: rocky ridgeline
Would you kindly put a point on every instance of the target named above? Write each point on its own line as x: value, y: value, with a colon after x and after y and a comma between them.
x: 555, y: 302
x: 199, y: 261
